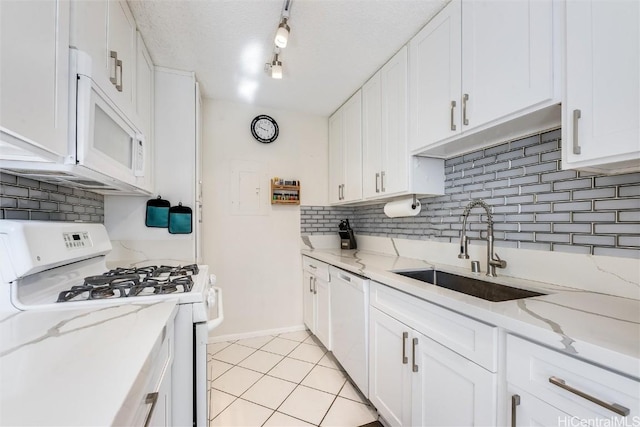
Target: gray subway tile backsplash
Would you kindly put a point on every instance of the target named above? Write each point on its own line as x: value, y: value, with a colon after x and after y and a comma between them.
x: 535, y: 204
x: 28, y: 199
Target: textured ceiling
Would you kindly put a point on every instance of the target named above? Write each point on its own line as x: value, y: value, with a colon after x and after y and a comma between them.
x: 334, y: 45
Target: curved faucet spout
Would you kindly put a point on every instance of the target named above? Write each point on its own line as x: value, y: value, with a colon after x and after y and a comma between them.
x: 464, y: 240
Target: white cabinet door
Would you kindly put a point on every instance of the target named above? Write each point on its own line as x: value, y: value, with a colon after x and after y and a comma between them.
x: 352, y: 189
x: 435, y: 79
x: 507, y: 58
x: 389, y: 369
x: 106, y: 30
x: 345, y: 152
x: 122, y: 41
x: 161, y: 415
x: 34, y: 65
x: 394, y: 176
x: 371, y: 137
x: 308, y: 301
x: 449, y: 390
x: 336, y: 156
x: 526, y: 410
x: 323, y: 315
x: 89, y: 23
x: 601, y: 107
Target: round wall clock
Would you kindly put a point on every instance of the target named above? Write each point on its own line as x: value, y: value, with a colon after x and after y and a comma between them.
x: 264, y: 129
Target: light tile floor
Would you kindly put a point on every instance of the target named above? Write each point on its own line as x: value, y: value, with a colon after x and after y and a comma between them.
x: 284, y: 380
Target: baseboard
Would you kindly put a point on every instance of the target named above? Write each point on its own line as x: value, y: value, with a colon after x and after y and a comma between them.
x: 245, y: 335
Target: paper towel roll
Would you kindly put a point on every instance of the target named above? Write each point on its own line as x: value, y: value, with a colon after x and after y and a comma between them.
x: 401, y: 208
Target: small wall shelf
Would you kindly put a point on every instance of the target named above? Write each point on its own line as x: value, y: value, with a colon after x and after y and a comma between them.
x: 285, y: 192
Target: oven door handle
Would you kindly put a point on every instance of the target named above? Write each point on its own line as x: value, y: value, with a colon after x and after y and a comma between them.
x: 212, y: 324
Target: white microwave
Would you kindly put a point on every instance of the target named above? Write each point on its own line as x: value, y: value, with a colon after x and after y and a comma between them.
x: 105, y: 151
x: 106, y: 141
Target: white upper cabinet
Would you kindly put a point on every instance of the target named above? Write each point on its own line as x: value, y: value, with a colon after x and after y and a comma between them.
x: 371, y: 137
x: 34, y: 65
x: 388, y: 168
x: 345, y: 152
x: 395, y: 156
x: 434, y: 79
x: 507, y: 58
x: 106, y: 30
x: 601, y: 103
x: 478, y: 65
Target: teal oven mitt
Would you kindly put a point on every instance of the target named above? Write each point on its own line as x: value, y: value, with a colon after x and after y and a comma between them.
x: 180, y: 219
x: 157, y: 213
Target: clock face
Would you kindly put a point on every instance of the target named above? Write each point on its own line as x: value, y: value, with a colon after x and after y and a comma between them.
x: 264, y: 129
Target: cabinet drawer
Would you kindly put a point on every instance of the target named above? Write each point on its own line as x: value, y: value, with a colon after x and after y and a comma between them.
x: 475, y: 340
x: 587, y: 388
x: 315, y: 267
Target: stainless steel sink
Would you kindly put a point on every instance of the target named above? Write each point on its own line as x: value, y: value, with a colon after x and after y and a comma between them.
x: 475, y: 287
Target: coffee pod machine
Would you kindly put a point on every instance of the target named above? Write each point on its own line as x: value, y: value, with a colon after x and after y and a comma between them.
x: 347, y: 239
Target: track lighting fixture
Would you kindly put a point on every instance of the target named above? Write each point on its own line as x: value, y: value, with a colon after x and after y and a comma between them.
x: 280, y: 41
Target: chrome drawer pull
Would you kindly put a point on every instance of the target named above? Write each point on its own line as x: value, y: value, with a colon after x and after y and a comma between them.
x: 465, y: 120
x: 576, y: 145
x: 382, y: 175
x: 515, y: 401
x: 377, y: 182
x: 113, y: 71
x: 413, y: 354
x: 453, y: 106
x: 405, y: 359
x: 152, y: 398
x: 613, y: 407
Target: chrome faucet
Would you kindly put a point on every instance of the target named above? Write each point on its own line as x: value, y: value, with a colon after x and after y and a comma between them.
x: 464, y: 240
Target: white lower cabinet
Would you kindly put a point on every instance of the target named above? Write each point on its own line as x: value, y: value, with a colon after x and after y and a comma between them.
x: 416, y: 381
x: 316, y: 299
x: 449, y: 390
x: 389, y: 371
x: 549, y: 388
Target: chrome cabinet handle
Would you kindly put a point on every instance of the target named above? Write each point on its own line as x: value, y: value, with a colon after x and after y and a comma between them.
x: 310, y: 287
x: 312, y: 266
x: 152, y: 398
x: 465, y: 120
x: 405, y: 359
x: 576, y: 145
x: 382, y: 175
x: 345, y: 278
x: 453, y: 106
x: 613, y: 407
x: 113, y: 71
x: 413, y: 354
x: 377, y: 182
x: 515, y: 401
x: 119, y: 67
x: 315, y: 286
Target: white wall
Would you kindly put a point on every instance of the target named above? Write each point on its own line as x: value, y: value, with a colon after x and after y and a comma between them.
x: 256, y: 258
x: 174, y: 152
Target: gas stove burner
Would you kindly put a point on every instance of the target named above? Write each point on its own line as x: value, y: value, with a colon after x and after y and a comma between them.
x: 132, y: 282
x: 74, y: 292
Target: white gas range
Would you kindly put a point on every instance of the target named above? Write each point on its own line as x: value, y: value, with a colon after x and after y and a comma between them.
x: 47, y: 266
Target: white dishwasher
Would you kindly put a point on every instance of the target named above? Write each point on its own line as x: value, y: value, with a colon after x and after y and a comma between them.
x: 350, y: 325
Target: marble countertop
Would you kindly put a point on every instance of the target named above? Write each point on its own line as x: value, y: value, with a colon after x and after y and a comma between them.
x: 75, y: 367
x: 597, y: 327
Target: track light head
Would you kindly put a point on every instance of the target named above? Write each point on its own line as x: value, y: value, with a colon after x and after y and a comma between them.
x: 282, y: 34
x: 276, y: 68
